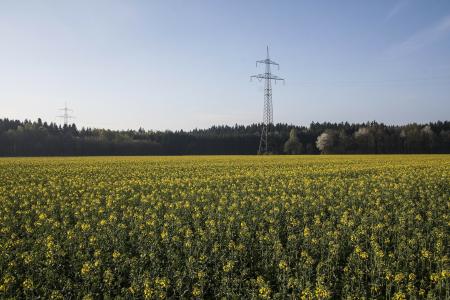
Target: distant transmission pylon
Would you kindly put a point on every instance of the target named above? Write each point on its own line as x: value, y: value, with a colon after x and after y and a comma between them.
x: 66, y: 115
x: 268, y: 113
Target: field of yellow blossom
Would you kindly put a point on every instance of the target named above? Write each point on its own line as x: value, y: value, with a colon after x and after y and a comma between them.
x: 278, y: 227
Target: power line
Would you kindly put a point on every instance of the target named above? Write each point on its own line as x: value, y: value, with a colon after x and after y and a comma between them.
x: 382, y: 82
x: 268, y: 108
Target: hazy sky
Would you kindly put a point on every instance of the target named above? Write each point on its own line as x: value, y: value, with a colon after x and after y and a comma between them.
x: 186, y: 64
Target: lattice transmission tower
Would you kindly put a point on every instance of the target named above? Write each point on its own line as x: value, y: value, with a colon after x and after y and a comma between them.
x: 66, y: 115
x: 268, y: 108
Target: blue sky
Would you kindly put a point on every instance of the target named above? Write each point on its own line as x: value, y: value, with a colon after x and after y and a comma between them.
x: 186, y: 64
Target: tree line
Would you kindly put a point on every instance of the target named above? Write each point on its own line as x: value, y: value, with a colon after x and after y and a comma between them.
x: 38, y: 138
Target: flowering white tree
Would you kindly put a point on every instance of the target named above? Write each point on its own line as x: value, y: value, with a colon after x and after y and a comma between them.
x: 325, y: 142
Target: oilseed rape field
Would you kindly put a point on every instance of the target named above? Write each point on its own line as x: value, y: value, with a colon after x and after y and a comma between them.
x: 239, y: 227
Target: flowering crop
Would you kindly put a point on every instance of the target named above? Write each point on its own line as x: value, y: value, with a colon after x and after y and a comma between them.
x: 271, y: 227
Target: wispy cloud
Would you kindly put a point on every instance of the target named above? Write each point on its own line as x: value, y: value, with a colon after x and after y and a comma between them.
x: 422, y: 38
x: 396, y: 9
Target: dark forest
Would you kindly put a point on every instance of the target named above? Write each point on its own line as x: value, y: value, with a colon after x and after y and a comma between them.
x: 38, y: 138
